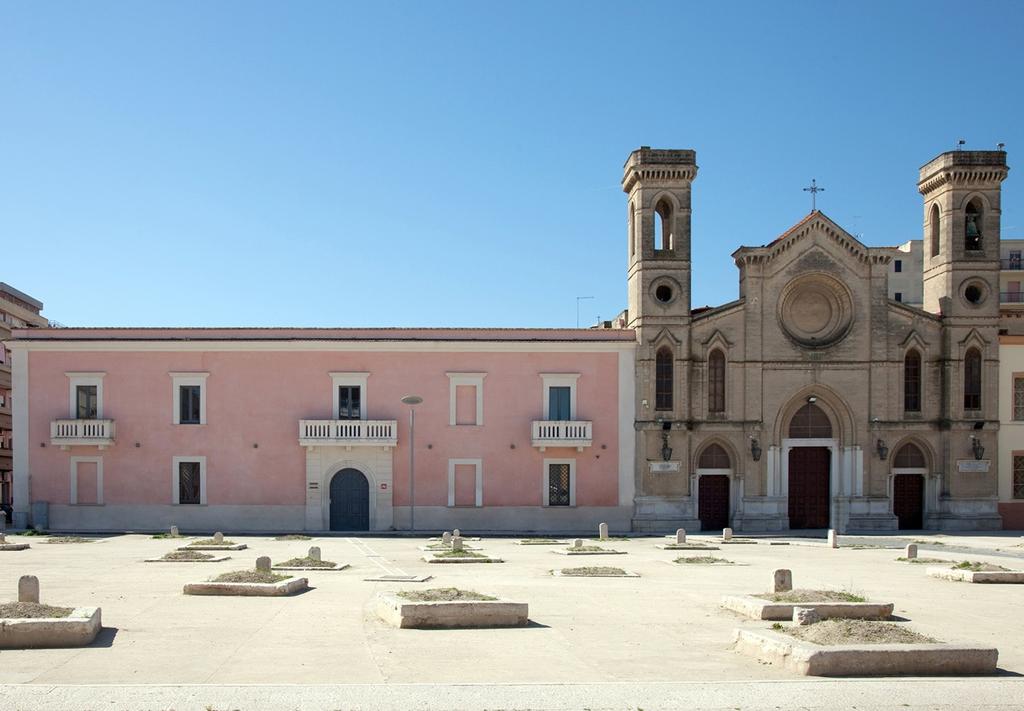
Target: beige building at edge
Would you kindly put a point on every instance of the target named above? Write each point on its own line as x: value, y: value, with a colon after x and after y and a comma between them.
x: 816, y: 399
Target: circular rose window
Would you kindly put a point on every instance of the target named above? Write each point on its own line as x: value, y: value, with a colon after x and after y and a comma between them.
x: 815, y: 310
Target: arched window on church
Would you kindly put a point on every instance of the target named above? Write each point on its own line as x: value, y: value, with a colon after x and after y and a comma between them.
x: 933, y: 227
x: 716, y: 381
x: 663, y: 379
x: 663, y: 225
x: 909, y: 457
x: 912, y: 381
x: 809, y: 422
x: 972, y: 226
x: 714, y: 456
x: 631, y: 230
x: 972, y: 379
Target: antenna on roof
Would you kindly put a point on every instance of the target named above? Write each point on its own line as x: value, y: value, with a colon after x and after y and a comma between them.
x: 578, y: 300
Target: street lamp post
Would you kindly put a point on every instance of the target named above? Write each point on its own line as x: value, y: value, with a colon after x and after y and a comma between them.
x: 412, y: 401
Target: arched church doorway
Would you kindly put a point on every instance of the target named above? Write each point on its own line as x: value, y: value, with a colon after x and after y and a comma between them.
x: 350, y: 501
x: 810, y: 469
x: 713, y: 471
x: 908, y: 468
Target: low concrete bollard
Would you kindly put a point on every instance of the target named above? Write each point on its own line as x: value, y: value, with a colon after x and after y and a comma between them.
x: 28, y: 588
x: 446, y: 538
x: 578, y: 543
x: 456, y: 543
x: 833, y: 539
x: 218, y: 537
x: 910, y: 551
x: 680, y: 536
x: 726, y: 534
x: 602, y: 531
x: 782, y: 580
x: 263, y: 563
x: 314, y: 553
x: 174, y: 531
x: 456, y: 533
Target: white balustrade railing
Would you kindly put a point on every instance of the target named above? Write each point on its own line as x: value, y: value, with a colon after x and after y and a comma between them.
x: 67, y: 432
x: 348, y: 432
x: 562, y: 433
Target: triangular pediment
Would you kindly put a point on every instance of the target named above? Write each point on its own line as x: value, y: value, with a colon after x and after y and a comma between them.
x: 816, y: 225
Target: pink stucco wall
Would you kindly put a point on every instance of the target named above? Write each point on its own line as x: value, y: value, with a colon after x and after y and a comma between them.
x: 255, y: 399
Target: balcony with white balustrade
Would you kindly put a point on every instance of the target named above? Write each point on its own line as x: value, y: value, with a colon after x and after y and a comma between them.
x: 72, y: 433
x: 562, y: 433
x: 348, y: 433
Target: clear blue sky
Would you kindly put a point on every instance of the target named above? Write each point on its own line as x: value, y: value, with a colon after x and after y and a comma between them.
x: 458, y: 164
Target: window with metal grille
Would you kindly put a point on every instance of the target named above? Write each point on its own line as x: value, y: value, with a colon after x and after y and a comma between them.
x: 714, y: 457
x: 909, y: 457
x: 188, y: 398
x: 1018, y: 398
x: 663, y: 379
x: 716, y: 381
x: 912, y: 381
x: 348, y: 402
x: 188, y: 483
x: 972, y: 380
x: 1018, y: 476
x: 810, y: 422
x: 558, y: 484
x: 86, y: 402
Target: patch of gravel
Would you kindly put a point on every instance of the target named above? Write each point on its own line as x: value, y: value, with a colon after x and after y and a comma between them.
x: 595, y: 570
x: 187, y: 555
x: 541, y: 541
x: 458, y: 554
x: 68, y: 539
x: 249, y: 576
x: 160, y: 536
x: 443, y: 595
x: 811, y: 596
x: 9, y: 610
x: 611, y: 538
x: 293, y: 537
x: 307, y: 563
x: 835, y: 632
x: 978, y: 567
x: 702, y: 560
x: 929, y: 561
x: 212, y: 542
x: 587, y: 548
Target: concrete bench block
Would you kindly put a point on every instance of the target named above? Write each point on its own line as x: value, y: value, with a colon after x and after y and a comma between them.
x: 759, y: 609
x: 569, y: 551
x: 288, y: 586
x: 76, y: 630
x: 485, y: 559
x: 339, y: 566
x: 212, y: 547
x: 1004, y: 577
x: 13, y: 546
x: 398, y: 612
x: 809, y: 659
x: 215, y: 559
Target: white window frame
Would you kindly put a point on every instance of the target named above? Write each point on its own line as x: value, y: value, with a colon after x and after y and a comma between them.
x: 478, y: 463
x: 349, y: 380
x: 554, y: 380
x: 176, y: 479
x: 75, y: 461
x: 76, y: 379
x: 179, y: 379
x: 474, y: 379
x: 546, y: 481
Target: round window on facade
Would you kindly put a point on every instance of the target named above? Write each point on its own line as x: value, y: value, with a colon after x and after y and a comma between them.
x: 663, y: 293
x: 974, y: 294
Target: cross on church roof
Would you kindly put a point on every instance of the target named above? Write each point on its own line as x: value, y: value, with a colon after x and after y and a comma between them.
x: 814, y: 190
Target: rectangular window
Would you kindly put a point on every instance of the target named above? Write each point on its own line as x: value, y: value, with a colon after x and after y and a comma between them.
x: 189, y: 401
x: 1014, y: 259
x: 559, y: 483
x: 898, y: 266
x: 466, y: 398
x: 1018, y: 398
x: 1018, y: 476
x: 560, y: 402
x: 899, y: 296
x: 87, y: 400
x: 349, y: 402
x: 465, y: 404
x: 189, y: 483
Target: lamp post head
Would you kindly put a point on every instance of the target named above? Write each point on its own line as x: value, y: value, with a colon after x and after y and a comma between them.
x: 412, y: 399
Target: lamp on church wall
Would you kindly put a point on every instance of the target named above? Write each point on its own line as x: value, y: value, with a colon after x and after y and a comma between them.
x: 977, y: 448
x: 755, y: 449
x: 883, y: 451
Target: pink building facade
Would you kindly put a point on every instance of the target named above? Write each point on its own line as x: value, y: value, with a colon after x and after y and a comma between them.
x: 305, y: 429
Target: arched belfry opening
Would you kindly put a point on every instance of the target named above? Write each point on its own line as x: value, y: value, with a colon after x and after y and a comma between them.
x: 973, y: 226
x: 663, y: 237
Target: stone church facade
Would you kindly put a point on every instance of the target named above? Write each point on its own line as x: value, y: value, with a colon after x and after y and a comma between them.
x: 814, y: 400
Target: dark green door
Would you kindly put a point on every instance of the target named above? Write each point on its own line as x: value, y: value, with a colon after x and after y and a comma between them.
x: 350, y: 501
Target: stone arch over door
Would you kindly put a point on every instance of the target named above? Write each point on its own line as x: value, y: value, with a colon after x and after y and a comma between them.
x: 372, y: 481
x: 715, y: 492
x: 349, y: 501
